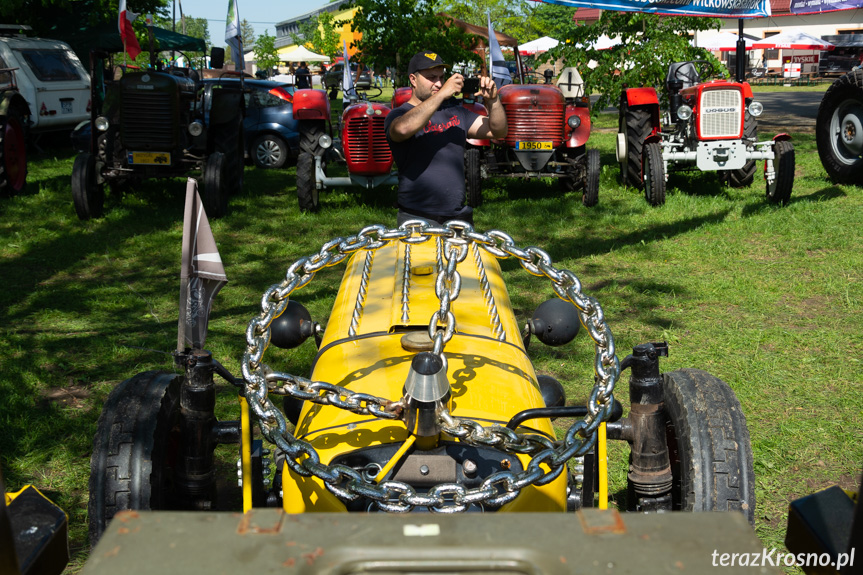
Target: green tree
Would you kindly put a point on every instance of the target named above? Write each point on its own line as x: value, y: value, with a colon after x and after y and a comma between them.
x: 265, y: 52
x: 649, y: 43
x: 320, y: 35
x: 247, y: 31
x: 394, y: 30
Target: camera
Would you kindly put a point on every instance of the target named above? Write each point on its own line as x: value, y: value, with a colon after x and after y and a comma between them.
x: 471, y: 86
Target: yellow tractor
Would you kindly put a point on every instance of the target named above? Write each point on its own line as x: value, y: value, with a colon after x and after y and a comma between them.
x: 422, y: 398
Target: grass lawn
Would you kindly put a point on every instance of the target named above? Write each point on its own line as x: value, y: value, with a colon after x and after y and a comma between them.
x: 769, y: 299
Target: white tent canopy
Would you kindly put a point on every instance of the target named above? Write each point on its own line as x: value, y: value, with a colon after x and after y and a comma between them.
x: 793, y: 39
x: 724, y: 42
x: 301, y: 54
x: 543, y: 44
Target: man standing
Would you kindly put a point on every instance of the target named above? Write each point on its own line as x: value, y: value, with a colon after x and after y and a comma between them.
x: 303, y: 78
x: 427, y: 135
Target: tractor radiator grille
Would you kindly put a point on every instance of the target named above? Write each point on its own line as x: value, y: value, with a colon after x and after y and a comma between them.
x: 721, y: 113
x: 365, y: 141
x: 148, y: 121
x: 535, y: 124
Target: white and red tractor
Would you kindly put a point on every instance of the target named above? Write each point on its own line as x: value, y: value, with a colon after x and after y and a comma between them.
x: 709, y: 126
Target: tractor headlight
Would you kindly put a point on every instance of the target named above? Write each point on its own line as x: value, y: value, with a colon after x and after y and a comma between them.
x: 684, y: 112
x: 574, y: 122
x: 756, y: 109
x: 325, y: 141
x: 196, y: 128
x: 102, y: 123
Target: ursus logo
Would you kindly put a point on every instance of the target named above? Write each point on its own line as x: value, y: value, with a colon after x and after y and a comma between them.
x: 431, y: 56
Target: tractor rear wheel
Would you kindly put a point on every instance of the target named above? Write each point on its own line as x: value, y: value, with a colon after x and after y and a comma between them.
x: 472, y: 178
x: 135, y: 449
x: 590, y: 192
x: 743, y: 177
x: 88, y: 194
x: 708, y: 444
x: 839, y: 129
x: 229, y: 141
x: 216, y: 185
x: 654, y: 175
x: 13, y: 151
x: 779, y: 192
x: 307, y: 189
x: 634, y: 123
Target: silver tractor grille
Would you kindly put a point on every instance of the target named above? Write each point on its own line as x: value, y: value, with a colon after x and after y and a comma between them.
x: 720, y: 113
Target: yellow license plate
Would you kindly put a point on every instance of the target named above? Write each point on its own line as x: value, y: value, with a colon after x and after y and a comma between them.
x: 150, y: 158
x: 533, y: 146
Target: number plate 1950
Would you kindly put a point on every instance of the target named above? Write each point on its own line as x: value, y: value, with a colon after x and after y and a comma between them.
x: 150, y: 158
x: 533, y: 146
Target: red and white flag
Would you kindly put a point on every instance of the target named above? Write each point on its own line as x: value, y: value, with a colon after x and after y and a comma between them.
x: 127, y: 33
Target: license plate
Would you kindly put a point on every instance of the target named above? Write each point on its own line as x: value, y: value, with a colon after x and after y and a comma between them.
x: 533, y: 146
x: 65, y: 106
x: 149, y: 158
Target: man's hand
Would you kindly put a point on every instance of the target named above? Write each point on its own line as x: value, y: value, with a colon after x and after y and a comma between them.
x: 487, y: 89
x: 453, y: 86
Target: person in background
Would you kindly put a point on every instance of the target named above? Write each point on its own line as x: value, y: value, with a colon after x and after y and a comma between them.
x: 303, y: 78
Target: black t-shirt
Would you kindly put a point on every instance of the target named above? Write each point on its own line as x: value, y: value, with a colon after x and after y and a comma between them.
x: 431, y: 164
x: 302, y: 78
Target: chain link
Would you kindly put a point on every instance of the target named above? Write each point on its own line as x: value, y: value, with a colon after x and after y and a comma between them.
x: 548, y: 458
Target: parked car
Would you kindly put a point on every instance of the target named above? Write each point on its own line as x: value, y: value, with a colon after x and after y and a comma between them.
x: 270, y: 131
x: 335, y: 74
x: 51, y: 78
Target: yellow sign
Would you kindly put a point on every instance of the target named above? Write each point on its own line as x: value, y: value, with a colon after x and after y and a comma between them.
x: 150, y: 158
x: 533, y: 146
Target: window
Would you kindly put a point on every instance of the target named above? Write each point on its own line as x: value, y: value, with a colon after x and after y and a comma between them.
x: 51, y: 65
x: 770, y: 54
x: 5, y: 77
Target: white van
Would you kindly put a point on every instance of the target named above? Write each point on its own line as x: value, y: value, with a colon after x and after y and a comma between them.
x: 50, y: 77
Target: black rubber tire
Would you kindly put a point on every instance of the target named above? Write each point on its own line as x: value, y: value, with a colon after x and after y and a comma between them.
x: 269, y: 152
x: 590, y: 190
x: 654, y: 175
x: 135, y: 449
x: 310, y: 132
x: 87, y: 195
x: 743, y: 177
x: 840, y: 116
x: 635, y: 122
x: 472, y: 178
x: 709, y: 445
x: 215, y: 193
x: 307, y: 190
x: 783, y: 164
x: 228, y: 139
x: 13, y: 151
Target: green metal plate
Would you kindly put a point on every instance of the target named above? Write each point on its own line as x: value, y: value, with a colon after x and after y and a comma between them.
x: 270, y: 541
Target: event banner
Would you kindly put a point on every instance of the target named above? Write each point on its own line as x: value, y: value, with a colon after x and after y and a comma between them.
x: 816, y: 6
x: 714, y: 8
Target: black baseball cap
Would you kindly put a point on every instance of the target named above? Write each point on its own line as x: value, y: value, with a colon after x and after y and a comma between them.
x: 423, y: 61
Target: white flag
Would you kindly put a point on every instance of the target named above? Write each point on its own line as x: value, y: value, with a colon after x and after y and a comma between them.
x: 499, y: 71
x: 233, y: 37
x: 347, y: 79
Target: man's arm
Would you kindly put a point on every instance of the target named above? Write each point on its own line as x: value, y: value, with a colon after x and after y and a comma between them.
x: 494, y: 125
x: 414, y: 120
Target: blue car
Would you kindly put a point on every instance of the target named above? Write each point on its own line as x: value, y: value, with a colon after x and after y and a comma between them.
x: 270, y: 130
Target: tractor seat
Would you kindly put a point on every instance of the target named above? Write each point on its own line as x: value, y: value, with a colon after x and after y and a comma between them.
x: 683, y: 71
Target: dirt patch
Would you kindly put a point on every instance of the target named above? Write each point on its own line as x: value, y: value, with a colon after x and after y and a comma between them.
x: 70, y: 396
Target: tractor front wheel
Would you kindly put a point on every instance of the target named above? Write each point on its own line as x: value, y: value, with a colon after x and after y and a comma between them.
x: 654, y: 175
x: 635, y: 125
x: 839, y: 129
x: 216, y: 185
x: 708, y: 445
x: 13, y: 152
x: 779, y: 192
x: 307, y: 189
x: 135, y: 449
x: 743, y: 177
x: 472, y: 178
x: 88, y: 194
x: 590, y: 191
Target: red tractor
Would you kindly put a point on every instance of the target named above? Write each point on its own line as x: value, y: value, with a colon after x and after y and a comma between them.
x: 711, y: 125
x: 362, y: 147
x: 548, y: 130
